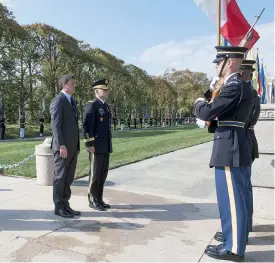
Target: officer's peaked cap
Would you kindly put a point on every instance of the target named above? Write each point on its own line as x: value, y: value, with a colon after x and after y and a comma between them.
x: 100, y: 84
x: 229, y: 52
x: 248, y: 65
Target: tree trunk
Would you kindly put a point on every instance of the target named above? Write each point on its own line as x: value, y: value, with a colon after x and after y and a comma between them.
x: 21, y: 93
x: 31, y: 91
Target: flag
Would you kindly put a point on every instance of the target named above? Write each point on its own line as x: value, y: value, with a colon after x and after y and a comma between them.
x: 224, y: 42
x: 209, y: 7
x: 236, y: 27
x: 251, y: 56
x: 272, y: 92
x: 259, y: 82
x: 263, y: 98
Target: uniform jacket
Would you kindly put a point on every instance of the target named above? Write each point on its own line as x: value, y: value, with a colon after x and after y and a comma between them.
x: 64, y: 125
x: 234, y: 103
x: 97, y: 126
x: 253, y: 144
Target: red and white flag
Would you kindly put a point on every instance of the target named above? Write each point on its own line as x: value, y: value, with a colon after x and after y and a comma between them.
x: 234, y: 26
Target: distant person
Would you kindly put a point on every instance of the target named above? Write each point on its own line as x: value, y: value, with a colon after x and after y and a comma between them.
x: 3, y: 128
x: 41, y: 127
x: 65, y: 145
x: 22, y: 127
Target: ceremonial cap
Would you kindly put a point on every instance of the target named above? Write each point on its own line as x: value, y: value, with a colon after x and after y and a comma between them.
x: 229, y: 52
x: 248, y: 65
x: 100, y: 84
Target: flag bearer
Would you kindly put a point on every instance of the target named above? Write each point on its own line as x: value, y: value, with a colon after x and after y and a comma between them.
x: 230, y: 154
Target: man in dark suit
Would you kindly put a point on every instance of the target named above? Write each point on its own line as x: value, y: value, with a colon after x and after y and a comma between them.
x: 65, y: 145
x: 98, y: 140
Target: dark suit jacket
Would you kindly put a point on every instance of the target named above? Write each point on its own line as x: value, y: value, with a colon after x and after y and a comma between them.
x: 64, y: 125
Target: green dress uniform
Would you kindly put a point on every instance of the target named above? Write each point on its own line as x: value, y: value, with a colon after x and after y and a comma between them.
x: 97, y: 132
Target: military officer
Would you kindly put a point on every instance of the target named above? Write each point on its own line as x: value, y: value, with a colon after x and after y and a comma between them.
x: 98, y: 140
x: 230, y: 154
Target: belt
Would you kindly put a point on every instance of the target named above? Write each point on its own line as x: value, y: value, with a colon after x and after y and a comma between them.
x: 231, y: 124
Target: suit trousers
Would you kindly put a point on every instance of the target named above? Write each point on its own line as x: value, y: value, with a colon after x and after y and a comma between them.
x: 63, y: 178
x: 99, y: 166
x: 232, y: 193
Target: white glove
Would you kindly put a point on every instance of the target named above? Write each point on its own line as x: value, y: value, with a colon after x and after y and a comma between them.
x: 199, y: 99
x: 200, y: 123
x: 213, y: 83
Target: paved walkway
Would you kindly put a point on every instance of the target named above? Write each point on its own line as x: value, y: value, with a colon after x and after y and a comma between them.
x: 163, y: 209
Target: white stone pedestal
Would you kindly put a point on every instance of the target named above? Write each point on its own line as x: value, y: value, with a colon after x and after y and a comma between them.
x: 264, y: 129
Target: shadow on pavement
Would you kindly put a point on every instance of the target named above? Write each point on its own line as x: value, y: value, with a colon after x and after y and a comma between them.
x: 263, y: 228
x: 259, y: 256
x: 85, y: 183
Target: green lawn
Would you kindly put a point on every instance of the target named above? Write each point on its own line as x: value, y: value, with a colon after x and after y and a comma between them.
x: 31, y: 130
x: 128, y: 146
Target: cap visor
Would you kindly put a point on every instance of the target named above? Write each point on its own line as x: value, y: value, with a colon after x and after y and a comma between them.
x: 217, y: 60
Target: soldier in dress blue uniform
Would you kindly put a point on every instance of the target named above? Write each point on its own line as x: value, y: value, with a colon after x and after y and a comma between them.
x: 230, y: 154
x: 246, y: 73
x: 98, y: 140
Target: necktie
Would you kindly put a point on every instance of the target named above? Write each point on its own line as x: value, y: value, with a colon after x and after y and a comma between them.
x: 74, y: 107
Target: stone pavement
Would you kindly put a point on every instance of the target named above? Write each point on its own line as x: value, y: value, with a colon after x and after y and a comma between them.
x: 163, y: 209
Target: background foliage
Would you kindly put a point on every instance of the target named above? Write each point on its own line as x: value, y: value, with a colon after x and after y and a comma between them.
x: 32, y: 57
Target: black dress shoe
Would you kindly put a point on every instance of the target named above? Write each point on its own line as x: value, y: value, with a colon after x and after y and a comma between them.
x: 63, y: 213
x: 221, y: 253
x: 96, y: 205
x: 217, y: 246
x: 218, y: 237
x: 104, y: 204
x: 73, y: 212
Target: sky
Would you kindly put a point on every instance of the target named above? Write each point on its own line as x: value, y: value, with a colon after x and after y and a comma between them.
x: 152, y: 34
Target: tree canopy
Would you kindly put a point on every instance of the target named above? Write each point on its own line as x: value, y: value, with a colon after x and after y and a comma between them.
x: 32, y: 57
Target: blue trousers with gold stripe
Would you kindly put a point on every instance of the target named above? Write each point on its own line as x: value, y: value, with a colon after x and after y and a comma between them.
x: 250, y: 200
x: 232, y: 196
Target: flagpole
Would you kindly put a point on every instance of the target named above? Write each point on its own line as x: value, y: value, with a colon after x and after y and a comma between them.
x: 219, y: 22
